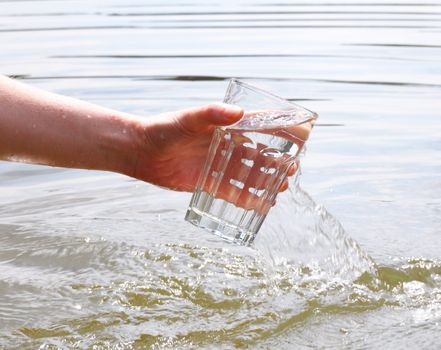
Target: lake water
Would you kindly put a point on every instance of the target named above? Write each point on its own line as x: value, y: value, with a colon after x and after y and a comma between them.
x: 94, y: 260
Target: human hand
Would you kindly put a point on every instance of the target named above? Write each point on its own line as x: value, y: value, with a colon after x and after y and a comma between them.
x: 174, y: 146
x: 40, y: 127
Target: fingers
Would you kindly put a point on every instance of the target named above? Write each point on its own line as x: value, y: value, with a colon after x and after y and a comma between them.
x: 249, y: 178
x: 293, y: 168
x: 284, y: 186
x: 199, y: 119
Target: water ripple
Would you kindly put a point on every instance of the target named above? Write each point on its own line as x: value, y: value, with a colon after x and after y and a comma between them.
x: 223, y: 78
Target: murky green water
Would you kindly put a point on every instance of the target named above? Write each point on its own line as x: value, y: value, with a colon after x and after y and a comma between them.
x: 92, y: 260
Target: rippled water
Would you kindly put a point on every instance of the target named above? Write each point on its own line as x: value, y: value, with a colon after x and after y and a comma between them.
x: 96, y: 260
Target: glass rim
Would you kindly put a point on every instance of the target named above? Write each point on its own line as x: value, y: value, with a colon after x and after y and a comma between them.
x: 259, y: 90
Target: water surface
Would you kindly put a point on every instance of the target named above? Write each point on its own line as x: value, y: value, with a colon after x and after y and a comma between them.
x: 97, y: 260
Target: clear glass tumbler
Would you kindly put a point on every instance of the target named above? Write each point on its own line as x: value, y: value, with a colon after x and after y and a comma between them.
x: 247, y: 163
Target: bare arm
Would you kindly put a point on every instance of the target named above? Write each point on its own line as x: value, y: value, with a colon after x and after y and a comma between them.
x: 40, y: 127
x: 45, y: 128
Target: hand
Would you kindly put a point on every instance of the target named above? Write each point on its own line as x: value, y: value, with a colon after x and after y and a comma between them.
x: 40, y: 127
x: 175, y: 145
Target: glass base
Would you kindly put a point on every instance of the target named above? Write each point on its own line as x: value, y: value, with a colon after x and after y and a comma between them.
x: 220, y: 227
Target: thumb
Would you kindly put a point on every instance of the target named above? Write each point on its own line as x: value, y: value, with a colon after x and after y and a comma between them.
x: 217, y: 114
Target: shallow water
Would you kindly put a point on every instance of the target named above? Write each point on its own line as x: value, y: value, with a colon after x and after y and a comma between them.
x: 97, y: 260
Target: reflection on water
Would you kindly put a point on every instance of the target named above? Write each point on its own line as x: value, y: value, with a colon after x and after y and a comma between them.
x: 93, y: 260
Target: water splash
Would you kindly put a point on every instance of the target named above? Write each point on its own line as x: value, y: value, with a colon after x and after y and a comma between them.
x: 299, y: 232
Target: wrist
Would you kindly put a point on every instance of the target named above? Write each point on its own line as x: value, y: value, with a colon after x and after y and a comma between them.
x: 124, y: 145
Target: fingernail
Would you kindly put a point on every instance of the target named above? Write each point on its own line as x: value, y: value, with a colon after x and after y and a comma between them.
x: 231, y: 108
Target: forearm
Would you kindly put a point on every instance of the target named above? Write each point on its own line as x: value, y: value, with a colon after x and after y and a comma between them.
x: 40, y: 127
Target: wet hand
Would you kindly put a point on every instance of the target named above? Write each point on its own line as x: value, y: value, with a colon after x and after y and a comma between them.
x: 174, y: 146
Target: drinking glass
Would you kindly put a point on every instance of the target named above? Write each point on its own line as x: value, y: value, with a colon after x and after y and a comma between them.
x: 247, y: 163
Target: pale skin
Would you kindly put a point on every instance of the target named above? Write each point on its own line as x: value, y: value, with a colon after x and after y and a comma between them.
x: 166, y: 150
